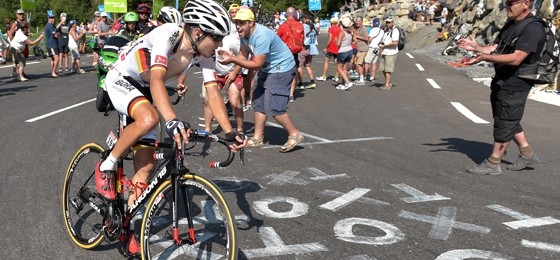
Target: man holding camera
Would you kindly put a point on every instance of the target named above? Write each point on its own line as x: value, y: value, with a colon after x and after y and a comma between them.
x: 375, y: 36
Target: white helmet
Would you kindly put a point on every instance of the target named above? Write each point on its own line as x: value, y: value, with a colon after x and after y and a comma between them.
x: 210, y: 16
x: 168, y: 14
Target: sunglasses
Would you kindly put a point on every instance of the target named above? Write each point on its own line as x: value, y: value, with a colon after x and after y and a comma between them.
x: 143, y: 13
x: 20, y: 13
x: 216, y: 38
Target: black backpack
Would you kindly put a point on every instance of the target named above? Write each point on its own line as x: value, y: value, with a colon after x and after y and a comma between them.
x: 543, y: 69
x: 402, y: 37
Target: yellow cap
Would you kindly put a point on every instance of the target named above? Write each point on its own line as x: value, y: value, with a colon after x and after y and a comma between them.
x: 334, y: 20
x: 244, y: 14
x: 236, y: 6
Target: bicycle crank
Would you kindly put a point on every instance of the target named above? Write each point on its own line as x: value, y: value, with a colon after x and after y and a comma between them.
x: 112, y: 221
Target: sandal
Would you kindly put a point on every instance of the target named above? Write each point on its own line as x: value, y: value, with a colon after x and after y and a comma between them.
x: 255, y: 142
x: 292, y: 142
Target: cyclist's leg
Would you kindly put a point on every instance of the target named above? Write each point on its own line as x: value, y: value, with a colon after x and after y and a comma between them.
x: 131, y: 102
x: 144, y: 164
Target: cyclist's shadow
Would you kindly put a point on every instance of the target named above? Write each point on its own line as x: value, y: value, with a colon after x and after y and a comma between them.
x: 240, y: 188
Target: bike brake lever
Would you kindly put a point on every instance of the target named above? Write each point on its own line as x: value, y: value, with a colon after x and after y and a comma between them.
x: 242, y: 156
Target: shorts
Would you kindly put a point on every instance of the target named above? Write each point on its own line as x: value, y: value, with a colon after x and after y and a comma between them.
x: 388, y: 63
x: 329, y: 55
x: 126, y: 97
x: 354, y: 52
x: 63, y: 49
x: 53, y: 52
x: 238, y: 82
x: 360, y: 57
x: 305, y: 58
x: 372, y: 57
x: 19, y: 58
x: 272, y: 91
x: 75, y: 53
x: 344, y: 57
x: 507, y: 109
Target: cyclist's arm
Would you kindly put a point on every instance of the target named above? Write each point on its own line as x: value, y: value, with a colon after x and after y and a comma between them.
x: 159, y: 92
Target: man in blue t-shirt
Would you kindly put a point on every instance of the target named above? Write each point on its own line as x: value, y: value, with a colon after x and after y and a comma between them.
x: 276, y: 70
x: 52, y: 44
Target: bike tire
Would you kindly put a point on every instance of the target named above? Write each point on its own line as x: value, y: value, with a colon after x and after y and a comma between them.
x: 214, y: 225
x: 101, y: 100
x: 85, y: 226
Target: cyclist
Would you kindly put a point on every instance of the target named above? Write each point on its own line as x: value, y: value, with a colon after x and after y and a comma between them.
x: 168, y: 14
x: 138, y: 79
x: 145, y: 25
x: 129, y: 31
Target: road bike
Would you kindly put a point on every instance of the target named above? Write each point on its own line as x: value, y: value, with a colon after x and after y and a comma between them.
x: 184, y: 214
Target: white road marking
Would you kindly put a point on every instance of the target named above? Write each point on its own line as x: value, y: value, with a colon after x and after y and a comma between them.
x: 541, y: 246
x: 409, y: 55
x: 433, y: 83
x: 27, y: 63
x: 58, y: 111
x: 420, y: 68
x: 335, y: 141
x: 470, y: 115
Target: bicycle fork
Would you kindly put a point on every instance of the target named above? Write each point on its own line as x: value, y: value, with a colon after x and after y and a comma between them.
x: 191, y: 239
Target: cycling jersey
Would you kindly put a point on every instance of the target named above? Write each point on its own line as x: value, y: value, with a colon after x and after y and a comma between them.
x: 127, y: 81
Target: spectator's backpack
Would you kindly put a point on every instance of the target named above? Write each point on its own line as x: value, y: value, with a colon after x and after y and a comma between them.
x: 542, y: 70
x: 295, y: 39
x: 402, y: 37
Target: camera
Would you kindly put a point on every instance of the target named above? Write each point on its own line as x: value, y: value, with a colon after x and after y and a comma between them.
x: 375, y: 51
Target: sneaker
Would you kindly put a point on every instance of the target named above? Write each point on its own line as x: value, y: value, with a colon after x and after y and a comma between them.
x: 133, y: 247
x: 322, y: 78
x: 23, y: 79
x: 359, y: 82
x: 81, y: 71
x: 59, y: 70
x: 291, y: 99
x: 522, y: 162
x: 485, y: 168
x: 335, y: 79
x: 104, y: 183
x: 67, y: 69
x: 340, y: 86
x: 371, y: 79
x: 311, y: 86
x: 347, y: 86
x: 300, y: 86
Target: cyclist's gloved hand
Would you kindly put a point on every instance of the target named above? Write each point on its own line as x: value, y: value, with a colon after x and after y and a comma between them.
x: 174, y: 126
x: 237, y: 140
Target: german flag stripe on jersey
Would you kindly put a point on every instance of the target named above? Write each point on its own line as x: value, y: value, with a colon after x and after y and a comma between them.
x: 137, y: 101
x: 143, y: 58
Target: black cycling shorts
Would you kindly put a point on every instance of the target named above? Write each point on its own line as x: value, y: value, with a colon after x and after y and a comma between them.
x: 507, y: 110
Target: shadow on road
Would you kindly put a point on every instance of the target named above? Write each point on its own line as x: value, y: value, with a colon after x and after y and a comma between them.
x: 476, y: 151
x: 14, y: 90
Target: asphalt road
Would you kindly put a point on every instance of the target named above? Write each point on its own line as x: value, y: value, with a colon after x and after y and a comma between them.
x: 380, y: 175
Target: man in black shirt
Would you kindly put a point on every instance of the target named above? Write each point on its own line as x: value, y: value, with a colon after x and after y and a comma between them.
x: 509, y: 92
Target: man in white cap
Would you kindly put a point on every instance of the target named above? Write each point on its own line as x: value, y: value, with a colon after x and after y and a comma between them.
x: 389, y: 50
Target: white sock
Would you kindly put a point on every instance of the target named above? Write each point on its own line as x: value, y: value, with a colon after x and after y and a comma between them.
x: 108, y: 164
x: 361, y: 77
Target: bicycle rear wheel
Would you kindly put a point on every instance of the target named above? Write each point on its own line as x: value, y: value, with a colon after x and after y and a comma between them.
x: 80, y: 205
x: 214, y: 226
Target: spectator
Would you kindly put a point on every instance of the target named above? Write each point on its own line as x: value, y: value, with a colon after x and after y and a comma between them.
x: 431, y: 12
x: 291, y: 32
x: 344, y: 43
x: 18, y: 44
x: 389, y: 50
x: 375, y: 37
x: 16, y: 25
x: 443, y: 17
x: 73, y: 40
x: 52, y: 44
x: 331, y: 51
x: 145, y: 25
x: 361, y: 38
x: 4, y: 41
x: 103, y: 30
x: 276, y: 66
x: 92, y: 29
x: 309, y: 50
x: 508, y: 91
x: 63, y: 50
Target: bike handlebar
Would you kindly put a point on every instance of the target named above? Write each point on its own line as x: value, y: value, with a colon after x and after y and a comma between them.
x: 195, y: 136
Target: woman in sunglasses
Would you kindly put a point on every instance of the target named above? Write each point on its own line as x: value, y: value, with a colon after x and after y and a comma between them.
x: 136, y: 87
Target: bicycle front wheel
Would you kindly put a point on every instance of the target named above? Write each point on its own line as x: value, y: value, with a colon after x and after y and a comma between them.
x: 80, y: 206
x: 213, y: 225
